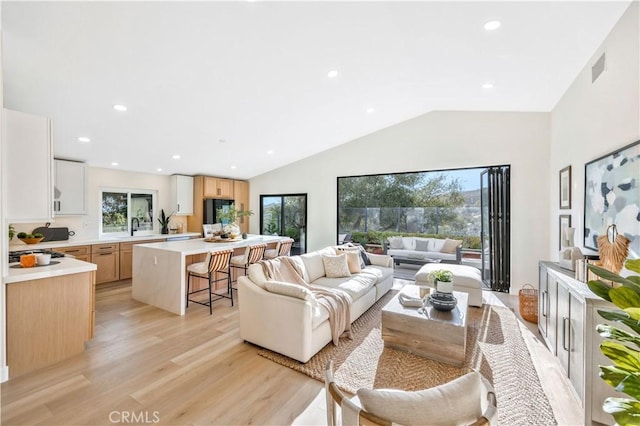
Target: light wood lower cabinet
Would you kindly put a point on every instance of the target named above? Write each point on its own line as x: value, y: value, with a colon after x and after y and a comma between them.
x: 567, y: 320
x: 79, y: 252
x: 48, y: 320
x: 126, y: 257
x: 107, y: 258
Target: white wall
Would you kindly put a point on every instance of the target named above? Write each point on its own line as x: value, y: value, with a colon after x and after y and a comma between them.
x: 86, y: 226
x: 437, y: 140
x: 591, y: 120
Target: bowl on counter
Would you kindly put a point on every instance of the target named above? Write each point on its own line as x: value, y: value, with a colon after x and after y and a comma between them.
x: 31, y: 240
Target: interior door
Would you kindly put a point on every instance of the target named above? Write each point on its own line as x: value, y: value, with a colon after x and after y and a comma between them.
x: 285, y: 215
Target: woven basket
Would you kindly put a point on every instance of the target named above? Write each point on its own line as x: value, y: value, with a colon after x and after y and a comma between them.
x: 528, y: 297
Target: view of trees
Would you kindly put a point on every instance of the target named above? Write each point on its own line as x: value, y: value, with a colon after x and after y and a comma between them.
x: 420, y: 203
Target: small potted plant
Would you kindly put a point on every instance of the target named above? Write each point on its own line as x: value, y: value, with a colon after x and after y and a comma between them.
x: 164, y: 222
x: 442, y: 280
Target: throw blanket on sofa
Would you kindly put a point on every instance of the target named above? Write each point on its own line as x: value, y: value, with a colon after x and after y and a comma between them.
x: 337, y: 302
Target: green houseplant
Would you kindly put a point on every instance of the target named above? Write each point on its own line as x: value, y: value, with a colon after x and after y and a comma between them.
x: 229, y: 215
x: 621, y: 347
x: 442, y: 279
x: 164, y: 222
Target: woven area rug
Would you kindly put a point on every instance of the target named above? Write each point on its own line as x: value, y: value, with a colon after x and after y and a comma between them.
x: 495, y: 347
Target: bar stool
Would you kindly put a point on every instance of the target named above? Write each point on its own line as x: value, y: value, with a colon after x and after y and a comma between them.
x: 215, y: 263
x: 283, y: 248
x: 251, y: 255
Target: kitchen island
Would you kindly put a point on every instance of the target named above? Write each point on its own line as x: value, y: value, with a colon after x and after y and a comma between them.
x: 50, y: 313
x: 159, y: 269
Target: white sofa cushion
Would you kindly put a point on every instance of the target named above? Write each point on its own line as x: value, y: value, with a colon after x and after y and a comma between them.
x: 409, y: 243
x: 422, y: 244
x: 455, y: 402
x: 355, y: 286
x: 381, y: 273
x: 313, y: 265
x: 436, y: 244
x: 289, y: 289
x: 395, y: 242
x: 336, y: 266
x: 414, y: 254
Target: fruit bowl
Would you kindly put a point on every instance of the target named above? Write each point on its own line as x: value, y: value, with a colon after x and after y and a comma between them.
x: 443, y: 301
x: 31, y: 240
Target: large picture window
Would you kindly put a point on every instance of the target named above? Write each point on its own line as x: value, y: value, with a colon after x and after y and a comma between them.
x: 285, y: 215
x: 123, y: 211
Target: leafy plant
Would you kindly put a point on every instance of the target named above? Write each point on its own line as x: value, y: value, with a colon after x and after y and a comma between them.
x: 621, y: 347
x: 12, y: 232
x: 441, y: 275
x: 164, y: 219
x: 230, y: 214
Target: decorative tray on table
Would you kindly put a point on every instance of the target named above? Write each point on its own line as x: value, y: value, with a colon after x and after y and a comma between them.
x: 223, y: 240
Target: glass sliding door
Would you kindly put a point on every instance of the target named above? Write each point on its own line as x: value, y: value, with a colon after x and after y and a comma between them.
x: 285, y: 215
x: 495, y: 198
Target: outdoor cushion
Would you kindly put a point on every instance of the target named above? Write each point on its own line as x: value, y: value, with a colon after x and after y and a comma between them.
x: 422, y: 245
x: 450, y: 246
x: 409, y: 243
x: 395, y: 242
x: 436, y: 244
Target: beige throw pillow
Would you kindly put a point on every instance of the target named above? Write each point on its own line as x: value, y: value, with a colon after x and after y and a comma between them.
x: 456, y: 402
x: 353, y: 262
x: 450, y: 246
x: 336, y: 266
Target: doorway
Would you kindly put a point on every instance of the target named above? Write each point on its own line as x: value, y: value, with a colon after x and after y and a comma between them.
x: 285, y: 215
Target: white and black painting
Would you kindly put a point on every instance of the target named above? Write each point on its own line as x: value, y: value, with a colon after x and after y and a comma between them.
x: 612, y: 196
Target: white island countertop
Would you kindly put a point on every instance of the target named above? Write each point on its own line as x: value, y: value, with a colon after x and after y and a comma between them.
x: 66, y: 266
x: 199, y: 246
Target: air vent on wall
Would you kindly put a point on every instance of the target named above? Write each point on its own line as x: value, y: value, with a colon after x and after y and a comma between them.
x: 597, y: 68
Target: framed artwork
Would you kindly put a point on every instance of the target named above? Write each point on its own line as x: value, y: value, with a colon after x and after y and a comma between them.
x: 612, y: 197
x: 564, y: 223
x: 565, y: 188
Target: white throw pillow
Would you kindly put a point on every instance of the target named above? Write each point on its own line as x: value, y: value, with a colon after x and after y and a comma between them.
x: 336, y: 266
x: 289, y: 289
x: 456, y: 402
x: 422, y: 244
x: 395, y: 243
x: 436, y: 244
x: 409, y: 243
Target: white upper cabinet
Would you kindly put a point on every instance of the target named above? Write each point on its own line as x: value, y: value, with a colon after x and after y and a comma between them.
x: 69, y: 193
x: 29, y: 166
x: 182, y: 194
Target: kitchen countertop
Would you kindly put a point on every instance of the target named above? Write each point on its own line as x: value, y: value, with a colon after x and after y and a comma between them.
x: 67, y: 266
x: 199, y: 246
x: 18, y: 245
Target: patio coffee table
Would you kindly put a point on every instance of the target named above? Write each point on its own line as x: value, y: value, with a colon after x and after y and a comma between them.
x: 414, y: 260
x: 433, y: 334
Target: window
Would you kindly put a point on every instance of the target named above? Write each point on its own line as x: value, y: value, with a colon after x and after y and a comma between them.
x: 124, y: 210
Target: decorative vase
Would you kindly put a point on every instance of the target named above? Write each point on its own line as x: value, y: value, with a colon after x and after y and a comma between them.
x: 444, y: 286
x: 231, y: 228
x: 244, y: 235
x: 165, y: 230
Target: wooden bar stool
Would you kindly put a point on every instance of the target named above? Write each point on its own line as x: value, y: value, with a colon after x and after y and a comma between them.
x: 216, y: 263
x: 251, y: 255
x: 283, y: 248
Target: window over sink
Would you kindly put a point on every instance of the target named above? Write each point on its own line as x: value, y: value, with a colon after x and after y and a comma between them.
x: 124, y: 211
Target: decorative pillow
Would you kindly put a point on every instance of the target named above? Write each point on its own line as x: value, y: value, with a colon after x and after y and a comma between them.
x: 353, y: 261
x: 436, y: 244
x: 395, y: 243
x: 336, y: 266
x: 422, y: 245
x: 289, y: 289
x: 450, y: 246
x: 456, y: 402
x: 408, y: 243
x: 364, y: 256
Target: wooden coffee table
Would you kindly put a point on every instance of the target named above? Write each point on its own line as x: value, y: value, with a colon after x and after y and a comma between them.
x: 433, y: 334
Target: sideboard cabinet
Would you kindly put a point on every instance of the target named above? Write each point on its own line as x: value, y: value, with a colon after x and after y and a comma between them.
x: 567, y: 320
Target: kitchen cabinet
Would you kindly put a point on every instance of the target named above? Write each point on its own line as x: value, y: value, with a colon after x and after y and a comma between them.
x: 107, y: 258
x: 181, y: 188
x: 79, y: 252
x: 218, y: 188
x: 568, y: 328
x: 241, y: 197
x: 70, y: 188
x: 29, y: 166
x: 126, y: 257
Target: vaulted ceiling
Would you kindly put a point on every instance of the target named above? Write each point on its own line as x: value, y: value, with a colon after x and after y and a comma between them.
x: 240, y: 88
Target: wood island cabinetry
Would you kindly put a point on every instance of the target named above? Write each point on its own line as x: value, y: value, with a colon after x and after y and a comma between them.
x: 126, y: 257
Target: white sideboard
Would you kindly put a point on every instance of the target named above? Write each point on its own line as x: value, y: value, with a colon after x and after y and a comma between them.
x: 567, y: 320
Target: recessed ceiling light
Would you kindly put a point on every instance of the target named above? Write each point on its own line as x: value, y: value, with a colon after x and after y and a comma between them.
x: 118, y: 107
x: 114, y: 164
x: 332, y: 74
x: 370, y: 110
x: 492, y: 25
x: 176, y: 157
x: 234, y: 167
x: 83, y: 139
x: 222, y: 140
x: 487, y: 86
x: 159, y: 169
x: 270, y: 152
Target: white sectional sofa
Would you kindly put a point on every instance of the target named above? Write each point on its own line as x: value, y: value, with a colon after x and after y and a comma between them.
x: 286, y: 318
x: 416, y: 249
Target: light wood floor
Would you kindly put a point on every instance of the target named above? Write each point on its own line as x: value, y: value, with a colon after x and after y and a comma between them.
x: 146, y: 365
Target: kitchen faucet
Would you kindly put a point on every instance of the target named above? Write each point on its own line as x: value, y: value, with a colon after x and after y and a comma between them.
x: 137, y: 225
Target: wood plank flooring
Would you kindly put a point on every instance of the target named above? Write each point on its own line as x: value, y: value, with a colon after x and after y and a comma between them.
x: 146, y: 365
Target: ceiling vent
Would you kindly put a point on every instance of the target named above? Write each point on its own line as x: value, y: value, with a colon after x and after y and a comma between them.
x: 597, y: 68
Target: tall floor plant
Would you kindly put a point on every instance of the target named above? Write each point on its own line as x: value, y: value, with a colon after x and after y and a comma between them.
x: 621, y: 347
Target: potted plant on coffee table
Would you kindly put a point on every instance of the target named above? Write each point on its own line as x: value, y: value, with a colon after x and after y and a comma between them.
x: 442, y: 280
